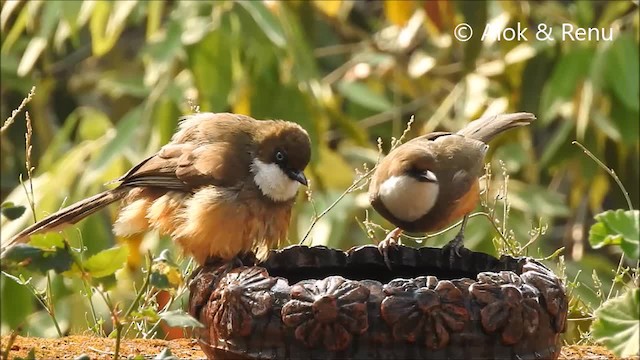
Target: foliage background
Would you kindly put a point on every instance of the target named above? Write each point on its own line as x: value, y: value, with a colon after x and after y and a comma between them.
x: 113, y: 78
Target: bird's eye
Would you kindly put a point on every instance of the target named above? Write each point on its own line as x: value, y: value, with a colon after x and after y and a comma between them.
x: 279, y: 156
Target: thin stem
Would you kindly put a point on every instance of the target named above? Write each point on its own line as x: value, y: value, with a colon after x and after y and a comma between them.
x: 610, y: 171
x: 394, y: 144
x: 116, y: 322
x: 613, y: 284
x: 15, y: 112
x: 353, y: 186
x: 50, y: 306
x: 453, y: 226
x: 615, y: 177
x: 143, y: 289
x: 44, y: 304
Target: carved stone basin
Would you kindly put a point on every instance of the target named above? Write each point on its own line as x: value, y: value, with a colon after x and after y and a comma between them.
x: 320, y: 303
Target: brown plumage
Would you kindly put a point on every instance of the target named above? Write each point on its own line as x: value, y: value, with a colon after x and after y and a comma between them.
x: 224, y: 185
x: 432, y: 180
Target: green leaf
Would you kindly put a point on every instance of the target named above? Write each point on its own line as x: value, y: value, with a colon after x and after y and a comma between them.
x: 361, y: 94
x: 214, y: 83
x: 617, y: 227
x: 16, y: 301
x: 49, y: 240
x: 38, y: 259
x: 107, y: 22
x: 475, y: 14
x: 107, y: 261
x: 600, y: 235
x: 125, y: 130
x: 266, y: 20
x: 616, y: 325
x: 622, y: 72
x: 179, y: 318
x: 570, y: 70
x: 165, y: 274
x: 11, y: 211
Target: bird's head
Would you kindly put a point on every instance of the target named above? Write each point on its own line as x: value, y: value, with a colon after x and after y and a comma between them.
x: 283, y: 152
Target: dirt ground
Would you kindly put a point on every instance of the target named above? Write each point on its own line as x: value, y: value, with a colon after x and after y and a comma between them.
x: 101, y: 348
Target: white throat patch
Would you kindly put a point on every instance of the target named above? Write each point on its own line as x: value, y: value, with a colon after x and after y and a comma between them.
x: 273, y: 182
x: 407, y: 198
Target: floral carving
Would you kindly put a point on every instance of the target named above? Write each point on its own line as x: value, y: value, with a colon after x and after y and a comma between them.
x: 551, y: 290
x: 241, y: 295
x: 504, y: 306
x: 424, y: 308
x: 328, y: 311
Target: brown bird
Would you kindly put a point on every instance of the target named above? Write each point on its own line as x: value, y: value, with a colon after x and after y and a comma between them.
x: 431, y: 181
x: 224, y: 185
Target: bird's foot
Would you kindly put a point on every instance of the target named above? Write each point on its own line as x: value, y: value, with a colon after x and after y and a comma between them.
x: 456, y: 245
x: 391, y: 241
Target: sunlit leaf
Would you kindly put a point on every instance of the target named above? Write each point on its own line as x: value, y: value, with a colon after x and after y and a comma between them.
x: 31, y: 55
x: 93, y: 124
x: 107, y: 261
x: 179, y: 318
x: 616, y: 325
x: 107, y: 22
x: 48, y: 240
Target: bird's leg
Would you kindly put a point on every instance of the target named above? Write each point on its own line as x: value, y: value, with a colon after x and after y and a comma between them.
x: 457, y: 243
x: 390, y: 241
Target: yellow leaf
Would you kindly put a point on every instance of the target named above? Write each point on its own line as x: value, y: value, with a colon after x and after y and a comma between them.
x: 335, y: 172
x: 399, y: 12
x: 329, y: 7
x: 598, y: 190
x: 242, y: 103
x: 576, y: 194
x: 134, y: 259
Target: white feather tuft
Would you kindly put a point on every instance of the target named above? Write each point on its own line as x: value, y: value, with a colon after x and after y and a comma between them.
x: 407, y: 198
x: 273, y: 182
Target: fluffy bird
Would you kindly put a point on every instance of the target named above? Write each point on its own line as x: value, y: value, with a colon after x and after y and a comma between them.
x: 224, y: 185
x: 432, y: 180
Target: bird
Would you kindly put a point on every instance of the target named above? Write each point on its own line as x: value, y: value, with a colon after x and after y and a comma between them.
x: 224, y: 185
x: 432, y: 180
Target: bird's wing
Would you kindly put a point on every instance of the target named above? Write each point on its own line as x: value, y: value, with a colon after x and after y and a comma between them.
x: 462, y: 180
x: 184, y: 167
x: 209, y: 149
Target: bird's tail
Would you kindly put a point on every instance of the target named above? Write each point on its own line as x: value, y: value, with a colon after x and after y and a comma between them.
x: 488, y: 127
x: 68, y: 216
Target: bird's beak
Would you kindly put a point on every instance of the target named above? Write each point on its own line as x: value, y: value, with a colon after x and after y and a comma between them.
x: 297, y: 176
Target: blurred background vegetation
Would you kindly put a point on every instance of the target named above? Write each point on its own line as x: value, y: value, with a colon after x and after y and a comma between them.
x: 113, y: 78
